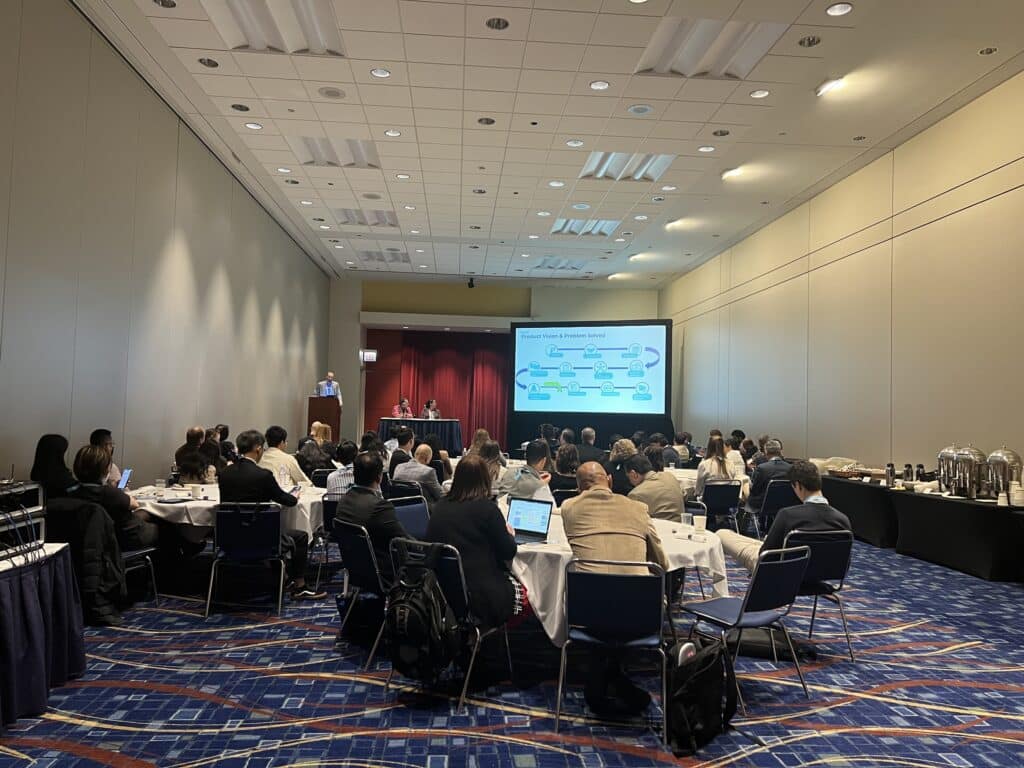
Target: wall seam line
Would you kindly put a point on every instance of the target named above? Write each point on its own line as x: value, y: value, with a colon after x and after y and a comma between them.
x: 10, y: 179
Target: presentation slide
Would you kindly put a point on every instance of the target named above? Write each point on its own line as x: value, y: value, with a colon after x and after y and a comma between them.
x: 591, y: 369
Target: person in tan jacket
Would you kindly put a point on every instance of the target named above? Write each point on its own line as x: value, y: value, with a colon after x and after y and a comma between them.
x: 660, y: 491
x: 601, y: 525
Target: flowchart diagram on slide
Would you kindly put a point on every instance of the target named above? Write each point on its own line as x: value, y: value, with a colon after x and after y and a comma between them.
x: 601, y: 375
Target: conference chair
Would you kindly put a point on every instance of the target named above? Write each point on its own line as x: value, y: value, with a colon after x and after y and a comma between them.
x: 247, y: 535
x: 319, y: 477
x: 773, y: 588
x: 138, y: 559
x: 438, y: 467
x: 452, y: 580
x: 322, y: 536
x: 722, y: 501
x: 564, y: 494
x: 778, y: 495
x: 413, y: 513
x: 826, y: 572
x: 362, y: 576
x: 636, y: 624
x: 401, y: 489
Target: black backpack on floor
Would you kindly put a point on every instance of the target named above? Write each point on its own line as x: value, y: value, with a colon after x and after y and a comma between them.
x: 421, y: 628
x: 701, y: 695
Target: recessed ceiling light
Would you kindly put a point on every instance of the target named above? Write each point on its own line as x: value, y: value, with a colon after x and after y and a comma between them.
x: 533, y: 237
x: 556, y: 184
x: 730, y: 173
x: 543, y: 213
x: 599, y: 85
x: 206, y: 61
x: 760, y: 93
x: 639, y: 109
x: 574, y: 143
x: 525, y: 255
x: 330, y: 92
x: 284, y: 170
x: 391, y: 133
x: 829, y: 85
x: 488, y: 330
x: 581, y: 206
x: 479, y: 191
x: 340, y: 247
x: 380, y: 72
x: 640, y: 217
x: 325, y: 226
x: 291, y: 181
x: 839, y: 9
x: 658, y: 198
x: 240, y: 107
x: 405, y: 327
x: 720, y: 132
x: 497, y: 23
x: 468, y: 273
x: 319, y: 218
x: 419, y: 250
x: 350, y: 263
x: 402, y: 176
x: 706, y: 148
x: 859, y: 138
x: 635, y: 256
x: 987, y: 51
x: 254, y: 126
x: 423, y: 266
x: 485, y: 120
x: 474, y: 226
x: 627, y: 234
x: 166, y: 3
x: 409, y: 207
x: 809, y: 41
x: 620, y: 239
x: 305, y: 202
x: 616, y: 276
x: 638, y: 2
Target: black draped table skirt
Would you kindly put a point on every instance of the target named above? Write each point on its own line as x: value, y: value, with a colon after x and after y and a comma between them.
x: 448, y: 430
x: 41, y: 642
x: 869, y: 507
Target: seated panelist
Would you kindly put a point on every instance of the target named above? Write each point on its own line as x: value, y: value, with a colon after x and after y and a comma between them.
x: 430, y: 410
x: 402, y: 410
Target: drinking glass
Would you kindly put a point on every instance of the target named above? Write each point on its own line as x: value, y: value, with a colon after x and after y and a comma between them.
x: 687, y: 519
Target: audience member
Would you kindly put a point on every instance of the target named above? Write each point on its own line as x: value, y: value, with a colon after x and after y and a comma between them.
x: 669, y: 454
x: 403, y: 453
x: 480, y: 437
x: 102, y: 438
x: 747, y: 450
x: 312, y: 457
x: 469, y: 520
x: 133, y: 526
x: 49, y: 469
x: 656, y: 455
x: 548, y: 434
x: 210, y: 451
x: 587, y: 449
x: 402, y: 410
x: 715, y: 469
x: 733, y: 456
x: 621, y: 450
x: 775, y: 468
x: 370, y: 442
x: 739, y: 434
x: 276, y: 458
x: 430, y: 410
x: 760, y: 456
x: 812, y: 514
x: 566, y: 437
x: 391, y: 443
x: 528, y: 480
x: 419, y: 471
x: 323, y: 436
x: 659, y: 491
x: 613, y: 439
x: 307, y: 437
x: 567, y: 461
x: 601, y: 525
x: 227, y: 448
x: 195, y: 469
x: 440, y: 455
x: 639, y: 439
x: 683, y: 446
x: 490, y: 452
x: 193, y: 439
x: 363, y: 505
x: 341, y: 479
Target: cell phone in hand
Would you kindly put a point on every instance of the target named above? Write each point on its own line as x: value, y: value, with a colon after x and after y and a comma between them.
x: 295, y: 490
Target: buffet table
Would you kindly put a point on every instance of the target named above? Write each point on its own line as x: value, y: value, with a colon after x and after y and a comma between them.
x: 868, y: 506
x: 448, y: 430
x: 41, y: 643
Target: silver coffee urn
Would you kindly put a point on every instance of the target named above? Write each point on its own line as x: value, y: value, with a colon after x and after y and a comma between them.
x: 1004, y: 467
x: 947, y: 468
x: 971, y: 475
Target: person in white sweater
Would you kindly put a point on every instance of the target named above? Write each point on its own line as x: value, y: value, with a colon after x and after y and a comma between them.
x: 716, y: 468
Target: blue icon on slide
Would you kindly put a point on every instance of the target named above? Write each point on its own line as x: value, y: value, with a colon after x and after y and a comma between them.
x: 536, y: 394
x: 537, y: 371
x: 575, y: 391
x: 590, y: 352
x: 601, y: 370
x: 642, y: 391
x: 565, y: 371
x: 633, y: 351
x: 552, y: 351
x: 608, y: 390
x: 636, y: 369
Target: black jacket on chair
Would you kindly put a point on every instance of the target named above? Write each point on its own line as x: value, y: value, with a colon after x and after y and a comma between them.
x: 591, y: 453
x: 246, y: 482
x: 477, y: 529
x: 361, y: 506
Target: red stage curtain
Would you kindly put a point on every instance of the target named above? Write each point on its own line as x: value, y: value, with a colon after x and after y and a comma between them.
x: 467, y: 373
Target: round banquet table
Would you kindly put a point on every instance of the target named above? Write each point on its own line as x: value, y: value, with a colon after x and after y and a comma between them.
x: 307, y: 515
x: 541, y: 568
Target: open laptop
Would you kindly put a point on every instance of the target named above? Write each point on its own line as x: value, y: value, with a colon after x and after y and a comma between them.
x: 414, y: 514
x: 530, y: 518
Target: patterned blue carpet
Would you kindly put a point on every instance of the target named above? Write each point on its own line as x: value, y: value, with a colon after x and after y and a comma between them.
x: 939, y: 681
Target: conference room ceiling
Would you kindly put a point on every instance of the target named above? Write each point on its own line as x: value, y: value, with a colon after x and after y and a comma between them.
x: 555, y: 140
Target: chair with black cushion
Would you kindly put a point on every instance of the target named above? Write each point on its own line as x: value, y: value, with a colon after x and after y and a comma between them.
x: 773, y: 587
x: 402, y: 489
x: 137, y: 559
x: 564, y: 494
x: 362, y: 575
x: 722, y: 501
x: 325, y: 532
x: 636, y: 623
x: 826, y: 573
x: 319, y: 477
x: 452, y: 580
x: 778, y: 495
x: 438, y: 467
x: 246, y: 535
x: 413, y: 513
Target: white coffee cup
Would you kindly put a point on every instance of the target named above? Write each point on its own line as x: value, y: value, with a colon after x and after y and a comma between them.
x: 197, y: 491
x: 700, y: 522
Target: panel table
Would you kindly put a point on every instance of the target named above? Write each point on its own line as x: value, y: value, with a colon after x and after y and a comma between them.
x: 448, y: 430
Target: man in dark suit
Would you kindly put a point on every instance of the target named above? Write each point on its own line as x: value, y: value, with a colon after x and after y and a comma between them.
x: 364, y: 505
x: 813, y: 514
x: 587, y: 450
x: 775, y: 468
x: 670, y: 456
x: 245, y: 482
x: 403, y: 453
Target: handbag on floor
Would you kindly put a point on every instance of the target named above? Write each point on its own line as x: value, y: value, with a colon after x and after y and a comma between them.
x: 701, y: 695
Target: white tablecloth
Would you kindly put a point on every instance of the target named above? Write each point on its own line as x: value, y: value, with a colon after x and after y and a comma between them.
x: 306, y: 516
x: 541, y: 567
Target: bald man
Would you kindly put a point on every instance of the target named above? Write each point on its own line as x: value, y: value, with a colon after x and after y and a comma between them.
x: 193, y: 439
x: 419, y: 471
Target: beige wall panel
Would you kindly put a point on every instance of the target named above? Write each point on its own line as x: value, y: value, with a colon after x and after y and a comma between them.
x: 849, y: 376
x: 346, y: 338
x: 980, y: 137
x: 10, y: 46
x: 859, y: 241
x: 103, y: 317
x: 764, y: 282
x: 581, y: 304
x: 44, y: 236
x: 768, y: 364
x: 698, y: 385
x: 957, y: 332
x: 724, y: 350
x: 779, y: 243
x: 692, y: 288
x: 855, y: 203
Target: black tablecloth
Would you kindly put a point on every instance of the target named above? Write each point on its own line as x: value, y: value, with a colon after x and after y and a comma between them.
x: 41, y: 643
x: 867, y: 505
x: 971, y: 536
x: 449, y: 430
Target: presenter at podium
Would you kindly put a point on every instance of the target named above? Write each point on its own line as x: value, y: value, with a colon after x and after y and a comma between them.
x: 402, y: 410
x: 430, y: 410
x: 328, y: 388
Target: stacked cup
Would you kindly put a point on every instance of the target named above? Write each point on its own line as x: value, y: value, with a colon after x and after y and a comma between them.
x: 1016, y: 494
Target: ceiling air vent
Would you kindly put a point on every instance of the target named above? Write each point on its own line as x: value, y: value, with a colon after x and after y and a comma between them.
x: 708, y: 47
x: 622, y: 166
x: 281, y: 26
x: 383, y: 257
x: 553, y: 264
x: 585, y: 227
x: 354, y: 217
x: 334, y: 153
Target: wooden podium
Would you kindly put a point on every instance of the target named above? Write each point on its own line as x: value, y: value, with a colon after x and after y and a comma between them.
x: 326, y: 410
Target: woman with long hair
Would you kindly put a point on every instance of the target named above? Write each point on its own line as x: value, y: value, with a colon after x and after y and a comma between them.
x: 49, y: 469
x: 622, y: 449
x: 715, y: 468
x: 567, y: 461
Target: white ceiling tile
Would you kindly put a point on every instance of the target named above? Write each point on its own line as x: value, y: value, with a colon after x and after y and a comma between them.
x: 518, y: 19
x: 439, y: 118
x: 188, y: 33
x: 622, y: 126
x: 434, y: 49
x: 389, y: 115
x: 265, y: 64
x: 540, y: 103
x: 331, y: 69
x: 743, y: 114
x: 277, y: 88
x: 590, y: 106
x: 649, y: 8
x: 440, y: 142
x: 495, y: 53
x: 369, y: 15
x: 190, y: 58
x: 545, y: 81
x: 374, y: 45
x: 672, y: 130
x: 223, y: 85
x: 422, y: 18
x: 486, y: 101
x: 622, y: 29
x: 611, y: 59
x: 385, y: 95
x: 290, y: 110
x: 553, y: 56
x: 691, y: 111
x: 785, y: 11
x: 437, y: 98
x: 435, y: 75
x: 340, y: 113
x: 696, y: 89
x: 561, y: 26
x: 491, y: 79
x: 790, y: 69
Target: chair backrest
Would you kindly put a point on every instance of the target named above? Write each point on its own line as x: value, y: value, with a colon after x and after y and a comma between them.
x: 414, y: 514
x: 358, y: 557
x: 330, y: 502
x: 401, y: 489
x: 639, y: 600
x: 319, y: 477
x: 449, y: 571
x: 830, y: 554
x: 564, y: 494
x: 776, y: 579
x: 721, y: 498
x: 438, y: 466
x: 248, y: 532
x: 778, y: 495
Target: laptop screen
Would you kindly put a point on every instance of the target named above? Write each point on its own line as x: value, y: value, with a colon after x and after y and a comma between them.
x: 529, y: 515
